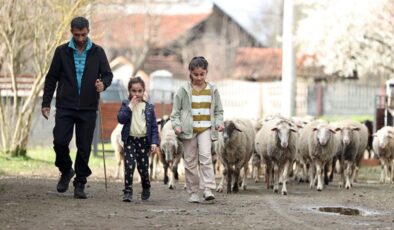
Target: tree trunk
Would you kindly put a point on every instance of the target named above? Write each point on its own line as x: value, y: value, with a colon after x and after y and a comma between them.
x: 16, y: 110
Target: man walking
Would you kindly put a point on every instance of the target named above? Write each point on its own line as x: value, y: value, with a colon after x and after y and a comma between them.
x: 80, y: 70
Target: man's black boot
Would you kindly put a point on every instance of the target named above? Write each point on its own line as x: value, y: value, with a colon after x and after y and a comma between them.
x: 127, y: 195
x: 79, y: 192
x: 145, y: 193
x: 64, y: 180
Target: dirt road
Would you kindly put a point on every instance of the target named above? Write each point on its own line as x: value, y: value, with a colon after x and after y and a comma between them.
x: 31, y: 202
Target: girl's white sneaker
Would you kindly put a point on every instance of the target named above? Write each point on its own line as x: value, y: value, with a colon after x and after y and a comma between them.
x: 194, y: 198
x: 208, y: 195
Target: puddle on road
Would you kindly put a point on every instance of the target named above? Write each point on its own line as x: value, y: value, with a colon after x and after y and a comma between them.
x: 346, y: 211
x: 341, y: 210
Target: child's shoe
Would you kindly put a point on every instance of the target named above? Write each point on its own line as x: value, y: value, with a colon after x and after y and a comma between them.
x: 127, y: 195
x: 145, y: 193
x: 208, y: 195
x: 194, y: 198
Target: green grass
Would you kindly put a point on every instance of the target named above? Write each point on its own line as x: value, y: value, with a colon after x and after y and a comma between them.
x: 41, y: 158
x: 369, y: 172
x: 359, y: 118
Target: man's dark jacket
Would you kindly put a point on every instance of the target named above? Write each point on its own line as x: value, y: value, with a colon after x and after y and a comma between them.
x: 62, y: 71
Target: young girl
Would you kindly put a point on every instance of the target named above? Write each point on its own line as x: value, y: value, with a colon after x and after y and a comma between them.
x: 196, y: 117
x: 139, y: 135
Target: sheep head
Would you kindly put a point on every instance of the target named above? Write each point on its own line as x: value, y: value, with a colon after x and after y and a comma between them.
x: 383, y: 137
x: 229, y: 128
x: 323, y: 133
x: 282, y: 130
x: 347, y: 133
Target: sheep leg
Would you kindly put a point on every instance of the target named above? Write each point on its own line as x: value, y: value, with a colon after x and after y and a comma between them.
x: 218, y: 167
x: 334, y: 161
x: 214, y: 161
x: 117, y: 170
x: 253, y: 173
x: 299, y: 171
x: 304, y: 172
x: 355, y: 174
x: 387, y: 173
x: 229, y: 182
x: 276, y: 178
x: 285, y: 177
x: 348, y: 174
x: 325, y: 171
x: 244, y: 181
x: 272, y: 178
x: 312, y: 175
x: 173, y: 173
x: 392, y: 171
x: 381, y: 179
x: 319, y: 175
x: 236, y: 175
x: 153, y: 165
x: 267, y: 174
x: 342, y: 171
x: 220, y: 186
x: 165, y: 168
x: 119, y: 159
x: 171, y: 184
x: 257, y: 172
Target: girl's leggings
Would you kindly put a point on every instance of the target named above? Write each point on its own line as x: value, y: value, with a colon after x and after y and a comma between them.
x: 136, y: 151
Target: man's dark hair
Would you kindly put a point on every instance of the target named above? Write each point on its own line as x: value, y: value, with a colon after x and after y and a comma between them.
x: 79, y: 23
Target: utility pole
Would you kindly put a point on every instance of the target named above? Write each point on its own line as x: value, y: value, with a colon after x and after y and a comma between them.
x: 288, y: 61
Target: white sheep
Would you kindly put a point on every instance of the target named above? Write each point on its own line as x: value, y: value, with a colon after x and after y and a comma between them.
x: 172, y: 149
x: 276, y: 144
x: 235, y: 148
x: 318, y: 145
x: 117, y: 145
x: 353, y: 142
x: 383, y: 146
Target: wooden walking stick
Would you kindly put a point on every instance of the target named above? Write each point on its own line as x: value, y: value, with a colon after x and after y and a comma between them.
x: 102, y: 144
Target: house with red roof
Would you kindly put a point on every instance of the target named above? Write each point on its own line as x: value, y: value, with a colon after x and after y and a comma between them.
x: 169, y: 41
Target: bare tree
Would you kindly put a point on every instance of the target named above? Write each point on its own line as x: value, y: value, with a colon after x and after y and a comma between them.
x: 29, y: 33
x: 130, y: 34
x: 349, y: 36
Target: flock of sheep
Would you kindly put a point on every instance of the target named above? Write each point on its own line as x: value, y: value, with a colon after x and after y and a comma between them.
x: 310, y: 150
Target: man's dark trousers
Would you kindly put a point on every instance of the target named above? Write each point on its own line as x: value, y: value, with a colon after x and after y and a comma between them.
x: 84, y: 121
